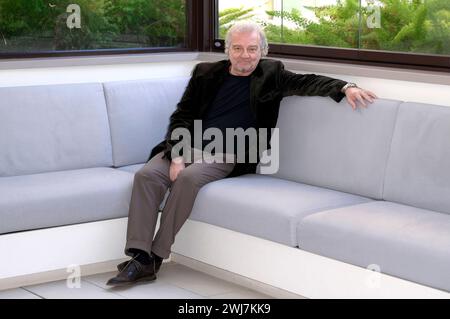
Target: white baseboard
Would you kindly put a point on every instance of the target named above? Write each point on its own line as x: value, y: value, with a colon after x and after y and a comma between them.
x: 44, y: 255
x: 58, y: 274
x: 234, y: 278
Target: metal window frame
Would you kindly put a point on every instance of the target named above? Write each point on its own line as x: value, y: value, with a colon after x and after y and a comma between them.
x: 201, y: 36
x: 189, y: 44
x: 402, y: 60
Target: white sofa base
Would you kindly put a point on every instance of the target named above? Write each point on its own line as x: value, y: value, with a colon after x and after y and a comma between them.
x: 289, y: 268
x: 97, y: 247
x: 43, y: 255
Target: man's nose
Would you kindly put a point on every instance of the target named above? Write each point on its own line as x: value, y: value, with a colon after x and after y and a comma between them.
x: 245, y: 54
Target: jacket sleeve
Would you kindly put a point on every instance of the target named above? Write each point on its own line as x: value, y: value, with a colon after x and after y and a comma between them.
x: 183, y: 116
x: 310, y: 84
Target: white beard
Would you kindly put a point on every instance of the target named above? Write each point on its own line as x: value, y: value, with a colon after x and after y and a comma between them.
x: 245, y: 70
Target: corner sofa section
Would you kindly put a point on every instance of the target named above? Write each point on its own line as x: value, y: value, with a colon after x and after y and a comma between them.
x: 365, y: 187
x: 369, y: 187
x: 407, y: 234
x: 55, y: 160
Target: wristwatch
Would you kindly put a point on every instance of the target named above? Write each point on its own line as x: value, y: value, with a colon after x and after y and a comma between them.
x: 348, y: 85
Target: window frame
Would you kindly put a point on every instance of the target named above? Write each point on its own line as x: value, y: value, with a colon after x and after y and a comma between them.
x: 189, y: 44
x: 202, y: 28
x: 402, y: 60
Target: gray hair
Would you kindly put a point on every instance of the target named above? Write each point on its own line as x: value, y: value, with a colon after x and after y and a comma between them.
x: 244, y: 27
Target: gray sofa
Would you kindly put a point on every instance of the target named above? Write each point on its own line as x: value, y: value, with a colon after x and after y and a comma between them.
x: 365, y: 187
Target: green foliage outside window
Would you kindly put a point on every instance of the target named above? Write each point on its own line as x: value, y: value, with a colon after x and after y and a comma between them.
x: 415, y: 26
x: 38, y: 25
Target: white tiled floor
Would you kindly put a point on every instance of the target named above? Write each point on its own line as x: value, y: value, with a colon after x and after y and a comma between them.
x: 174, y: 281
x: 18, y: 293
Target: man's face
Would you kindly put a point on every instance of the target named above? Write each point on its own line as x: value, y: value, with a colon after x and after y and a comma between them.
x: 244, y: 53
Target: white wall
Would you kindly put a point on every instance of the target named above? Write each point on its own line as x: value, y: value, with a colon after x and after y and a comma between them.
x: 406, y: 85
x: 99, y: 73
x: 95, y: 69
x: 402, y: 90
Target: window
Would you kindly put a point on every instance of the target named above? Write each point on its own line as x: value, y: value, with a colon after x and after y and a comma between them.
x: 33, y: 26
x: 399, y: 31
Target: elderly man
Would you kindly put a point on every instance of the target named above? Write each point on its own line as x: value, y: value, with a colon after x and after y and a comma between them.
x: 242, y: 92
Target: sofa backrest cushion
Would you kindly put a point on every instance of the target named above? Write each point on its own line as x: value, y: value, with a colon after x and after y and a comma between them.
x: 53, y: 127
x: 418, y: 170
x: 139, y: 113
x: 327, y: 144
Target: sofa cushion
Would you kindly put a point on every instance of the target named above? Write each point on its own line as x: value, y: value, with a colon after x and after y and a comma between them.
x: 53, y: 127
x: 264, y: 206
x: 398, y: 240
x: 139, y: 113
x: 327, y: 144
x: 131, y: 168
x: 418, y: 170
x: 62, y: 198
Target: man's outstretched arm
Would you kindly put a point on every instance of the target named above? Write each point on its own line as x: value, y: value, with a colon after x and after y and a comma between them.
x: 317, y: 85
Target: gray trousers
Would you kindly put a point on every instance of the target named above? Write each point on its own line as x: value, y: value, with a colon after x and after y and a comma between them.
x: 149, y: 187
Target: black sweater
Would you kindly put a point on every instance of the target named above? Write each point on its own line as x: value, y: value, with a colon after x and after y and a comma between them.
x: 230, y: 108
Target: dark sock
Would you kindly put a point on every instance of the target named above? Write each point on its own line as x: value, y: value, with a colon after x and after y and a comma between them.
x: 141, y: 256
x: 157, y: 258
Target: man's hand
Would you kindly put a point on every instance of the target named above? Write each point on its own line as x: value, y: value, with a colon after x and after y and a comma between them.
x: 357, y: 94
x: 176, y: 166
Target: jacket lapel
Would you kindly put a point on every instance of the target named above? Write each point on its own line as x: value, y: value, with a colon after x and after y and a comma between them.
x: 256, y: 79
x: 213, y: 83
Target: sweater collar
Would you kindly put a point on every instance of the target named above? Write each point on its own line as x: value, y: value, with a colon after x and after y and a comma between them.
x: 225, y: 69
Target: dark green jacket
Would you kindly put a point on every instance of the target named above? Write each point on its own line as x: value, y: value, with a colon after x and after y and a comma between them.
x: 270, y: 82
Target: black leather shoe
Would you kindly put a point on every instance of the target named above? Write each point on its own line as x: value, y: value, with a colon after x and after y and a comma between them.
x: 157, y: 265
x: 134, y: 272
